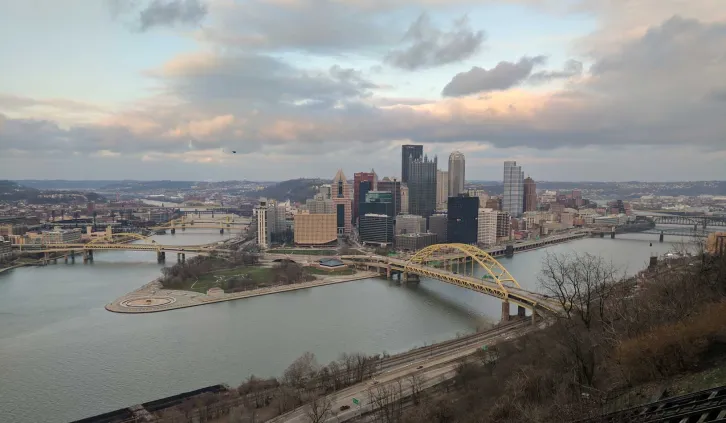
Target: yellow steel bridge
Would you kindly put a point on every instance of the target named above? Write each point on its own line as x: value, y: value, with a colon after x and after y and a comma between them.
x: 455, y: 264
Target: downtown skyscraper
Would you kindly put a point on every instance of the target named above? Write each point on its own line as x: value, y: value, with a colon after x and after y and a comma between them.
x: 457, y: 166
x: 513, y: 198
x: 422, y: 186
x: 409, y: 152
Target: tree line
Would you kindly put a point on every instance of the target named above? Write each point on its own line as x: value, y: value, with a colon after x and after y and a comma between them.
x: 615, y: 336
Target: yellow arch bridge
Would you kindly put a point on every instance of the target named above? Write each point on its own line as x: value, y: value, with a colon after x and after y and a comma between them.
x: 455, y: 264
x: 120, y: 241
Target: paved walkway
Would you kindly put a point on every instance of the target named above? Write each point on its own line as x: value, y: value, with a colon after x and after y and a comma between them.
x: 152, y: 298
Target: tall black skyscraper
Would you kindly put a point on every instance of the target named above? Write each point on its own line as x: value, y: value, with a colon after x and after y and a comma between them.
x: 463, y: 219
x: 409, y: 152
x: 422, y: 186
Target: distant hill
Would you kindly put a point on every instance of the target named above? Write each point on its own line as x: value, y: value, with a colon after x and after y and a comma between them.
x: 63, y: 184
x: 296, y: 190
x: 131, y: 186
x: 12, y: 191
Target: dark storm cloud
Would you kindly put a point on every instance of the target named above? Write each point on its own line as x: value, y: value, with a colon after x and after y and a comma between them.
x: 501, y: 77
x: 430, y: 46
x: 160, y: 13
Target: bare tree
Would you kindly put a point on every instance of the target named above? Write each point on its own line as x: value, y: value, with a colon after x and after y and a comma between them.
x: 387, y: 400
x: 319, y: 409
x: 580, y: 283
x: 301, y: 370
x: 416, y: 382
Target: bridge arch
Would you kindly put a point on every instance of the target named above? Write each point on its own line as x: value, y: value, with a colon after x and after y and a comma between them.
x: 495, y: 269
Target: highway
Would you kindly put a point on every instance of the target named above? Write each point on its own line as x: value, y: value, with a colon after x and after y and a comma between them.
x: 429, y: 367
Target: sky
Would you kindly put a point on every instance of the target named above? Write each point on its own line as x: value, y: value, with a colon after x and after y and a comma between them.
x: 573, y: 90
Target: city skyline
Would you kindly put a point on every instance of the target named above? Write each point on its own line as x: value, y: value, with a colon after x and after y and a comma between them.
x: 221, y: 90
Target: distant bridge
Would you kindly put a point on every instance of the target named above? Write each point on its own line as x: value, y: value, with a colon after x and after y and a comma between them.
x: 185, y: 222
x: 438, y: 262
x: 104, y: 244
x: 682, y: 232
x: 690, y: 220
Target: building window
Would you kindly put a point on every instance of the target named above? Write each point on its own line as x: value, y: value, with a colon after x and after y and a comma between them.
x: 340, y: 189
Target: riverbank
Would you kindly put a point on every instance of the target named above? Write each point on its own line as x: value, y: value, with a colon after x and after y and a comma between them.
x: 152, y: 298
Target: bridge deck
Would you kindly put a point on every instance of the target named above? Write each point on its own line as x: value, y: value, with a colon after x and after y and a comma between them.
x: 519, y: 296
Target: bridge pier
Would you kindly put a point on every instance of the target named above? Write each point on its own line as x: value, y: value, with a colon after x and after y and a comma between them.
x: 505, y: 311
x: 660, y: 239
x: 521, y: 312
x: 534, y: 317
x: 160, y: 256
x: 87, y: 255
x: 388, y: 272
x: 602, y: 234
x: 180, y: 257
x: 221, y: 231
x: 612, y: 235
x: 173, y: 231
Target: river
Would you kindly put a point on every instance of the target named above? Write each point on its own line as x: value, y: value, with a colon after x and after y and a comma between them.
x: 64, y: 357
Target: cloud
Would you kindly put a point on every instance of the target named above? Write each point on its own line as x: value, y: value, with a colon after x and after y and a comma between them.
x: 501, y: 77
x: 430, y: 47
x: 319, y: 26
x: 572, y: 68
x: 160, y: 13
x: 659, y: 91
x: 253, y: 81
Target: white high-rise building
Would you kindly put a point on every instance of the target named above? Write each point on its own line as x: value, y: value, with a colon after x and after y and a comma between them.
x: 487, y: 234
x: 263, y: 226
x: 456, y: 173
x: 513, y: 198
x: 442, y: 189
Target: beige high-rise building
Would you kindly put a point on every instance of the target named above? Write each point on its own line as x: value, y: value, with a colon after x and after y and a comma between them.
x: 404, y: 199
x: 315, y: 229
x: 487, y: 227
x: 457, y: 165
x: 442, y: 189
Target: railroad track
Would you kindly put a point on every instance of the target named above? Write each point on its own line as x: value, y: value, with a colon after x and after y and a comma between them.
x: 705, y: 406
x: 446, y: 346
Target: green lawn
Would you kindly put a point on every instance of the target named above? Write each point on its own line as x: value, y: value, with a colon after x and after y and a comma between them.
x: 258, y: 274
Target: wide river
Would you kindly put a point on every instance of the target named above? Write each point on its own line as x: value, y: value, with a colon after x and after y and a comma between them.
x: 64, y: 357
